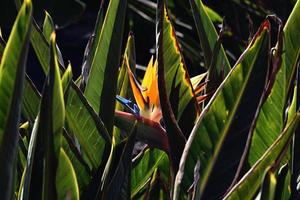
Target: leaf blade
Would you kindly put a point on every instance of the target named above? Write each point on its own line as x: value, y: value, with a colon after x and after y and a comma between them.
x: 251, y: 181
x: 102, y: 82
x: 213, y: 124
x: 12, y: 74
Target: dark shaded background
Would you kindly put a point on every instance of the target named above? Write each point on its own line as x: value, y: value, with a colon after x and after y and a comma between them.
x: 75, y: 22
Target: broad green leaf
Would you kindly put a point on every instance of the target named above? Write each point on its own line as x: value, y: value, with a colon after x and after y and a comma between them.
x: 56, y: 94
x: 91, y: 46
x: 45, y: 142
x: 119, y: 185
x: 89, y: 130
x: 208, y: 39
x: 178, y: 85
x: 30, y: 109
x: 81, y: 168
x: 212, y: 127
x: 66, y: 182
x: 102, y: 81
x: 293, y: 107
x: 144, y: 167
x: 97, y: 31
x: 246, y: 188
x: 270, y: 121
x: 12, y: 75
x: 52, y: 116
x: 41, y: 47
x: 213, y: 15
x: 291, y: 44
x: 30, y: 100
x: 48, y: 26
x: 166, y: 45
x: 56, y: 100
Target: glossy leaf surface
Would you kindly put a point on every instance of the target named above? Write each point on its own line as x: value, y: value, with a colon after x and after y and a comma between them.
x: 12, y: 75
x: 102, y: 82
x: 248, y: 185
x: 212, y: 127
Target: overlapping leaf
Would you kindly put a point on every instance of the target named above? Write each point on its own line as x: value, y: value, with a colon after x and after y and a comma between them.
x: 102, y: 81
x: 144, y: 167
x: 250, y: 183
x: 89, y: 130
x: 212, y: 127
x: 12, y: 75
x: 91, y: 46
x: 47, y: 163
x: 178, y: 86
x: 118, y: 186
x: 123, y: 88
x: 270, y: 120
x: 218, y: 64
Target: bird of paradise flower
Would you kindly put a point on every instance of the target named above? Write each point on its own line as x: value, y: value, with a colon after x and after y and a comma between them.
x: 146, y: 94
x: 146, y: 107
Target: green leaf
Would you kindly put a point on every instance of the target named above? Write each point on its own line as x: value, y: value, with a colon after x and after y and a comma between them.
x: 81, y: 168
x: 178, y: 85
x: 119, y: 185
x: 270, y: 120
x: 214, y: 123
x: 66, y: 182
x: 249, y: 184
x: 292, y: 110
x: 48, y: 26
x: 91, y: 47
x: 213, y: 15
x: 102, y: 81
x: 291, y: 44
x: 30, y: 109
x: 83, y: 123
x: 208, y: 39
x: 176, y: 95
x: 67, y: 79
x: 123, y: 88
x: 12, y: 74
x: 30, y: 100
x: 89, y: 130
x: 143, y: 168
x: 45, y: 142
x: 41, y: 47
x: 56, y: 100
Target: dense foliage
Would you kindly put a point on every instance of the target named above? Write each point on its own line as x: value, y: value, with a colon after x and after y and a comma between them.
x: 226, y: 133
